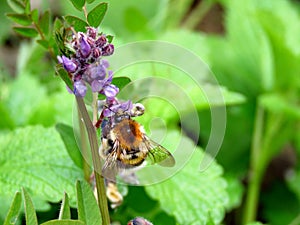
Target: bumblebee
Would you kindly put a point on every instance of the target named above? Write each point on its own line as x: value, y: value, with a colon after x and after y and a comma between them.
x: 125, y: 146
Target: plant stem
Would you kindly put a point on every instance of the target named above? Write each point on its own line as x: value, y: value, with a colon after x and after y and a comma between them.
x: 249, y: 213
x: 198, y: 14
x: 84, y: 148
x: 102, y: 200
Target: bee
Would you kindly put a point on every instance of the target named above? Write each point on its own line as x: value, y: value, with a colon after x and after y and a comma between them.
x: 125, y: 146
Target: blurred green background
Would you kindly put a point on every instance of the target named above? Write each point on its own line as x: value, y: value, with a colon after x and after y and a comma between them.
x: 253, y: 49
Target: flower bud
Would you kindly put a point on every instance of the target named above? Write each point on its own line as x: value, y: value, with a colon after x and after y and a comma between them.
x: 92, y: 32
x: 101, y: 41
x: 108, y: 50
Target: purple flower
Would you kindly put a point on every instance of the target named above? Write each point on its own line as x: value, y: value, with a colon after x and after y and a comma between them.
x: 124, y: 107
x: 105, y: 87
x: 96, y: 71
x: 110, y: 91
x: 80, y: 88
x: 86, y: 66
x: 85, y: 47
x: 68, y: 64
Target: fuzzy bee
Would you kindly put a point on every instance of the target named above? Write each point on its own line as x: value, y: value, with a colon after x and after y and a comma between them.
x: 125, y: 146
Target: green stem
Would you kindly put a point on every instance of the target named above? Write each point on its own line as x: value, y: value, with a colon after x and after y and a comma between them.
x: 101, y: 193
x: 262, y: 151
x: 249, y: 213
x: 198, y: 14
x: 84, y: 148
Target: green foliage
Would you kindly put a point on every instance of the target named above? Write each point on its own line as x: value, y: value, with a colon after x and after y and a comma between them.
x: 192, y: 195
x: 37, y: 156
x: 18, y: 5
x: 26, y: 31
x: 14, y: 210
x: 96, y: 15
x: 44, y: 23
x: 34, y: 107
x: 275, y: 200
x: 78, y: 4
x: 64, y: 222
x: 22, y: 19
x: 67, y: 135
x: 88, y: 210
x: 256, y: 63
x: 64, y: 212
x: 77, y: 23
x: 30, y: 215
x: 121, y: 82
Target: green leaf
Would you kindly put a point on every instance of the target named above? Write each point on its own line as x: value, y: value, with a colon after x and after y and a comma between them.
x: 77, y: 23
x: 14, y: 210
x: 121, y: 82
x: 67, y: 135
x: 191, y: 195
x: 30, y: 214
x: 35, y: 158
x: 78, y: 4
x: 63, y: 222
x: 27, y: 6
x: 88, y: 210
x: 43, y: 43
x: 275, y: 201
x: 20, y: 105
x: 96, y: 15
x: 6, y: 121
x: 16, y: 5
x: 44, y: 23
x: 21, y: 19
x: 90, y: 1
x: 64, y: 75
x: 26, y: 31
x: 65, y: 212
x: 255, y: 223
x: 35, y: 16
x: 276, y: 103
x: 109, y: 38
x: 235, y: 191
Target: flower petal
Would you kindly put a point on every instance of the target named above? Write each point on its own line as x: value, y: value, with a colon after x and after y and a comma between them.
x: 80, y: 88
x: 111, y: 91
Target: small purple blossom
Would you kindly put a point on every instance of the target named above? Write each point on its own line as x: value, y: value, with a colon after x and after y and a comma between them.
x: 85, y: 48
x: 110, y: 91
x: 80, y: 88
x: 95, y: 71
x: 117, y: 107
x: 68, y: 64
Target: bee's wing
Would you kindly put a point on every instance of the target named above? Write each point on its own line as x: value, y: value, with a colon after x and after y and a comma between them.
x: 158, y: 154
x: 110, y: 168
